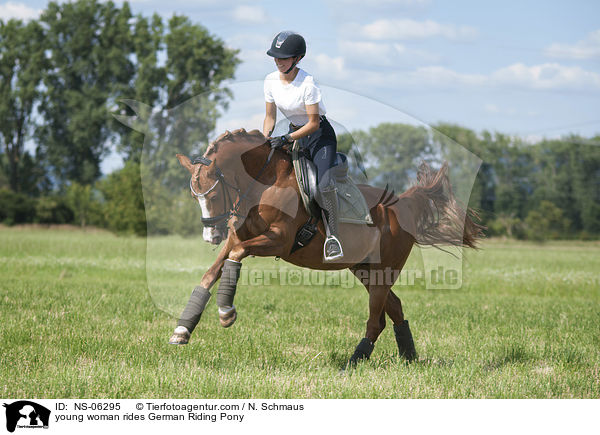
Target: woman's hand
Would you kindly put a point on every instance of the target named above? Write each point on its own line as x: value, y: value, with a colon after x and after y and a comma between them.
x: 280, y: 141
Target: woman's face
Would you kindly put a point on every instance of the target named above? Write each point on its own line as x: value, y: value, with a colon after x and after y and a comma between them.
x: 284, y: 64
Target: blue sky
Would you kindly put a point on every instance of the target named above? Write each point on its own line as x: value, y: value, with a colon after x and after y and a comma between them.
x: 528, y: 68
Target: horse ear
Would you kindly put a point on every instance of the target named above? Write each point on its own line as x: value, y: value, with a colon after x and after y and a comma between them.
x: 185, y: 162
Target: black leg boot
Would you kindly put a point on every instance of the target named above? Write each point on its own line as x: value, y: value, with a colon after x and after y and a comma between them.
x: 404, y: 339
x: 363, y: 351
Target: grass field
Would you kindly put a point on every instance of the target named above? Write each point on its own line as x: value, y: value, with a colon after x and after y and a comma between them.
x: 78, y: 320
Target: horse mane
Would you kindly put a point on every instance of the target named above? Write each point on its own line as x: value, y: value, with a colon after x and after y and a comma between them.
x: 233, y: 136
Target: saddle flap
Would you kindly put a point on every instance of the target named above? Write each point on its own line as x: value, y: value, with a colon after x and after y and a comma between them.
x: 309, y: 177
x: 353, y: 207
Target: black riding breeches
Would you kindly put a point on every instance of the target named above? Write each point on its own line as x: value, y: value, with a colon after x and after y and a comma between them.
x: 322, y: 149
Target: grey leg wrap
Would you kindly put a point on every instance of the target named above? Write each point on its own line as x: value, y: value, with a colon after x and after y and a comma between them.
x: 229, y: 278
x: 363, y: 351
x: 194, y: 308
x: 404, y: 340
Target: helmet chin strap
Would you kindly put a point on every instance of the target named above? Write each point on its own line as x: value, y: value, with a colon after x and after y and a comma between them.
x: 293, y: 65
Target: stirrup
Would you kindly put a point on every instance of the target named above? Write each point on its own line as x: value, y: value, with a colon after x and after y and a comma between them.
x: 334, y: 239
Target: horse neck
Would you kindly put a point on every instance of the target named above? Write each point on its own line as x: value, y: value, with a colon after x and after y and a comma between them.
x: 242, y: 161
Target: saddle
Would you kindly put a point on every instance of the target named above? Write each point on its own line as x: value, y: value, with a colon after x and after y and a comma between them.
x: 353, y: 208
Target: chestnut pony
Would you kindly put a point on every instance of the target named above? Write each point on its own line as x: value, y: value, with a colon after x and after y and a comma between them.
x: 250, y: 199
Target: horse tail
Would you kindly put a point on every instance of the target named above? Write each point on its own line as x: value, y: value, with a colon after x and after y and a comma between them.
x: 437, y: 217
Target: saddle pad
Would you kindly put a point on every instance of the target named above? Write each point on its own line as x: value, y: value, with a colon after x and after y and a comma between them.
x: 353, y: 208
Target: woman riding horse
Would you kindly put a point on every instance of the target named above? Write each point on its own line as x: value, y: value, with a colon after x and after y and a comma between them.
x: 294, y: 92
x: 241, y: 198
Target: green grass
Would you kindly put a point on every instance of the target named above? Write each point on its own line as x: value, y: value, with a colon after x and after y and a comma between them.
x: 78, y: 320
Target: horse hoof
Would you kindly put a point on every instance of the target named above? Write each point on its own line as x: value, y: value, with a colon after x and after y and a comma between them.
x: 228, y: 317
x: 180, y: 337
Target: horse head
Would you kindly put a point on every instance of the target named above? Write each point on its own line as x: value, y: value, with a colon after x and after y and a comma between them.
x: 208, y: 186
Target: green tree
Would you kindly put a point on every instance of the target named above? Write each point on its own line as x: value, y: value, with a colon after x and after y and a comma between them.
x: 149, y: 81
x: 181, y: 101
x: 546, y: 222
x: 470, y: 173
x: 86, y: 208
x: 123, y: 201
x: 586, y: 184
x: 568, y: 175
x: 89, y: 46
x: 392, y: 152
x: 22, y: 63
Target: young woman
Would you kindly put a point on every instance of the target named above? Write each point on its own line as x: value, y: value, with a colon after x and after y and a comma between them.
x: 294, y: 92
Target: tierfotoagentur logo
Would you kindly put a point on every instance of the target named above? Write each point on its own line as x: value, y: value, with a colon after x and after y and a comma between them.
x: 25, y: 414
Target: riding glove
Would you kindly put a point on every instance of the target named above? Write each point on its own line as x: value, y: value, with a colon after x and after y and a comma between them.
x: 279, y: 141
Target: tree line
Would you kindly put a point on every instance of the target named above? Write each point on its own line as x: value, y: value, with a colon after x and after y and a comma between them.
x: 544, y: 190
x: 64, y: 76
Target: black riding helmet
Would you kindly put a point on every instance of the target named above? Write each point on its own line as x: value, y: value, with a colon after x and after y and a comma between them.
x: 287, y: 44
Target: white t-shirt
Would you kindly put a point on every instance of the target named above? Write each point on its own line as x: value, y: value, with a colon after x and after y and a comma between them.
x: 292, y: 98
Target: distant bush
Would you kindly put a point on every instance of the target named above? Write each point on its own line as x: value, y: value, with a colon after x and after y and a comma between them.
x: 547, y: 223
x: 16, y: 208
x: 586, y: 236
x: 505, y: 225
x: 86, y: 204
x: 52, y: 210
x: 123, y: 206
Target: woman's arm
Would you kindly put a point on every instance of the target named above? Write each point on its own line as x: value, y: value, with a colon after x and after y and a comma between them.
x: 312, y: 110
x: 270, y: 118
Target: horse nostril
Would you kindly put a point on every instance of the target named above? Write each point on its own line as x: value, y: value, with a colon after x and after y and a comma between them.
x: 216, y: 240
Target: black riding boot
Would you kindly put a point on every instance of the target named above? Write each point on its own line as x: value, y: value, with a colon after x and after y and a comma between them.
x: 332, y: 248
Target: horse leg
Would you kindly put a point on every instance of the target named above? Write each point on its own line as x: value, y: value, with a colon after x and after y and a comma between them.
x: 404, y: 339
x: 393, y: 308
x: 195, y: 307
x: 378, y: 293
x: 267, y: 244
x: 274, y: 242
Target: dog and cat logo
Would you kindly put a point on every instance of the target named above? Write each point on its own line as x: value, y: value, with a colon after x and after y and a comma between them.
x: 25, y: 414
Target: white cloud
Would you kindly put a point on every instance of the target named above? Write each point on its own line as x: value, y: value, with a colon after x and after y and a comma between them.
x: 406, y: 29
x: 329, y: 66
x: 507, y: 111
x: 587, y: 48
x: 18, y: 10
x: 369, y: 50
x: 438, y: 75
x: 547, y: 76
x: 250, y: 14
x: 374, y: 54
x: 491, y: 108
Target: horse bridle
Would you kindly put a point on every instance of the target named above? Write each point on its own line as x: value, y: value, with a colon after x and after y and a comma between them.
x: 229, y: 209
